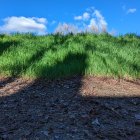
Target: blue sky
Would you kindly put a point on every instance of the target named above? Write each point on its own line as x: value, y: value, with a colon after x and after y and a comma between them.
x: 44, y: 16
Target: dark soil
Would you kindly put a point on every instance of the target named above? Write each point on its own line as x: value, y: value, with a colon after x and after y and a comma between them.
x: 77, y: 108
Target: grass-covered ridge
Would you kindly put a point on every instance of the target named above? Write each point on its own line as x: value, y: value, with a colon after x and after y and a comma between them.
x: 54, y: 56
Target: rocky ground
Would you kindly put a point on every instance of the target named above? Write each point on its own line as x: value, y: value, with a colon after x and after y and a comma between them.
x: 77, y: 108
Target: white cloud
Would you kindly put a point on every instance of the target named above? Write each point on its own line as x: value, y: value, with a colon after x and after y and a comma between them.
x: 97, y: 22
x: 90, y: 9
x: 24, y: 25
x: 98, y: 14
x: 85, y: 16
x: 101, y: 21
x: 131, y: 10
x: 40, y: 20
x: 78, y: 17
x: 128, y: 11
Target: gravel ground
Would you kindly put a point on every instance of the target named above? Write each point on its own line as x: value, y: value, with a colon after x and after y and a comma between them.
x: 76, y: 108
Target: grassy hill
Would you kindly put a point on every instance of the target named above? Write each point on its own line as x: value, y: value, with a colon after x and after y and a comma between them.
x: 55, y: 56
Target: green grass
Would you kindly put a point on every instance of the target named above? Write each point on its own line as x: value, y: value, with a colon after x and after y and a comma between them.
x: 55, y: 56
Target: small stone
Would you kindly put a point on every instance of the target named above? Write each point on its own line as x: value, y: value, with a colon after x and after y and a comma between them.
x: 124, y: 112
x: 45, y: 133
x: 62, y: 126
x: 134, y: 102
x: 66, y: 86
x: 74, y: 130
x: 96, y: 122
x: 84, y: 116
x: 56, y: 137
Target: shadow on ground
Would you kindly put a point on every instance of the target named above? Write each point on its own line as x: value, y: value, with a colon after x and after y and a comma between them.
x: 4, y: 46
x: 62, y: 110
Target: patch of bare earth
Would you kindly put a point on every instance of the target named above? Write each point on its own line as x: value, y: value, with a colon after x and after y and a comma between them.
x: 78, y: 108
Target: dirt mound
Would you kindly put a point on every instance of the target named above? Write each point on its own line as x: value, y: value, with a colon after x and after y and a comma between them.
x: 75, y: 108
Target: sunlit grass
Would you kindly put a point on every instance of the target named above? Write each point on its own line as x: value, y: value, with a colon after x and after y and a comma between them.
x: 55, y: 56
